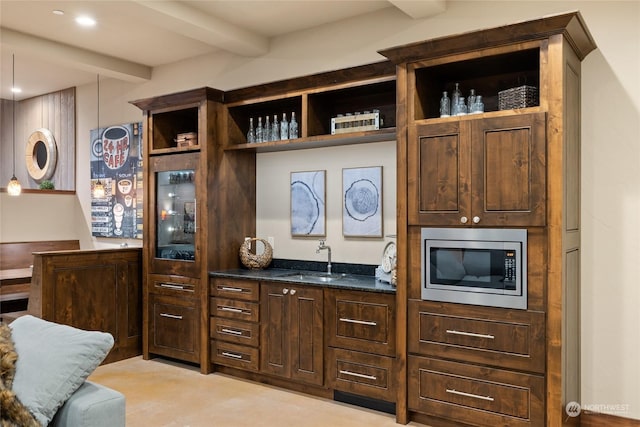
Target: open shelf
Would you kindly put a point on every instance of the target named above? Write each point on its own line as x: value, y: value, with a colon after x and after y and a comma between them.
x: 314, y: 110
x: 487, y: 75
x: 386, y: 134
x: 165, y: 127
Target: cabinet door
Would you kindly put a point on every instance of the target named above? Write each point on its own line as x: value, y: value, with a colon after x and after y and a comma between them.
x: 306, y: 334
x: 174, y: 239
x: 439, y: 173
x: 274, y: 331
x: 173, y: 327
x: 508, y: 170
x: 291, y: 332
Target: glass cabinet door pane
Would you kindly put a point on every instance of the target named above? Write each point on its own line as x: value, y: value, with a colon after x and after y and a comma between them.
x: 176, y: 214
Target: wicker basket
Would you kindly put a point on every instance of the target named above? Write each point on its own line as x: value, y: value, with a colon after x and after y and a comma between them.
x: 518, y: 97
x: 255, y: 261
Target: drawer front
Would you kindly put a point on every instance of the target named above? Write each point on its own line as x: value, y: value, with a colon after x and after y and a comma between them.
x: 173, y: 328
x: 363, y: 321
x: 234, y: 309
x: 237, y: 356
x: 363, y: 374
x: 173, y: 285
x: 504, y: 338
x: 235, y: 331
x: 235, y: 289
x: 477, y: 395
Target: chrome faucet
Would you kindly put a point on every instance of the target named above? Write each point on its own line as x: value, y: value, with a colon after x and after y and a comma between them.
x: 322, y: 246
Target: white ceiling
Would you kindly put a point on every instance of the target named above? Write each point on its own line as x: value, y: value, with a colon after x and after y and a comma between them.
x: 133, y: 36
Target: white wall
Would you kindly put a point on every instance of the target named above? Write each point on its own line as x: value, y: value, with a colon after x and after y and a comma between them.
x: 610, y: 158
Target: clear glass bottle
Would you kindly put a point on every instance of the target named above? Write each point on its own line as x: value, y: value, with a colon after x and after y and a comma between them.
x: 293, y: 126
x: 479, y: 105
x: 455, y: 100
x: 462, y: 107
x: 284, y: 127
x: 471, y: 100
x: 266, y: 132
x: 259, y: 131
x: 445, y: 108
x: 251, y: 135
x: 275, y: 129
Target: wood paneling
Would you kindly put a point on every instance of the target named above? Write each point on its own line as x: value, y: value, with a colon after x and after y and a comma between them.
x: 93, y: 290
x: 54, y: 111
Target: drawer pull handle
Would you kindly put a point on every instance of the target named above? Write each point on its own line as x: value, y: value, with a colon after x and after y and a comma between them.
x: 230, y: 289
x: 171, y: 316
x: 231, y: 331
x: 231, y: 309
x: 168, y: 286
x: 475, y: 396
x: 359, y: 322
x: 470, y: 334
x: 233, y: 355
x: 355, y: 374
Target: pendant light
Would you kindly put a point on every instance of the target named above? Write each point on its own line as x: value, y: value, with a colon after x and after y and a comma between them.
x: 98, y: 188
x: 14, y: 188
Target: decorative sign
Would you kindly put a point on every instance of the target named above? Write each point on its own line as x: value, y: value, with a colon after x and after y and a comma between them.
x: 116, y: 162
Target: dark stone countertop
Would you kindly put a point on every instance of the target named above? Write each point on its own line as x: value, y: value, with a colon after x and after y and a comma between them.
x: 314, y: 278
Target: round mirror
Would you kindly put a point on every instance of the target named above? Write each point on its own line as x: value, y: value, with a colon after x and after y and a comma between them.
x: 41, y: 155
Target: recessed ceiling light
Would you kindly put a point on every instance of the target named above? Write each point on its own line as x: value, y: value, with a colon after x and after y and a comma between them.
x: 85, y: 21
x: 58, y: 12
x: 16, y: 90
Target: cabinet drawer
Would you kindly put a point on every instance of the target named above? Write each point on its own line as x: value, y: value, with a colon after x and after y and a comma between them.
x: 233, y: 309
x: 499, y: 337
x: 173, y: 328
x: 237, y: 356
x: 473, y: 394
x: 235, y: 289
x: 363, y: 374
x: 173, y: 285
x: 235, y: 331
x: 363, y: 321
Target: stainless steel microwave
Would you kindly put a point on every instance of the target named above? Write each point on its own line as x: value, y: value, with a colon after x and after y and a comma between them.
x: 479, y: 266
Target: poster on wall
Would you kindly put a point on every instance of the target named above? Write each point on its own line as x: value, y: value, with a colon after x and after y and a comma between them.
x: 116, y: 163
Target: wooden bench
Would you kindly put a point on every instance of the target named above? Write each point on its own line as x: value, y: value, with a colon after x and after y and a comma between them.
x: 16, y: 260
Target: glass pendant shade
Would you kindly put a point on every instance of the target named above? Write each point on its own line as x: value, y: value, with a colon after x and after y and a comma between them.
x: 14, y: 188
x: 98, y: 190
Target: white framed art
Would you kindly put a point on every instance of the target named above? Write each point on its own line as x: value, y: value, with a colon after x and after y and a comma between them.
x: 362, y: 202
x: 308, y: 208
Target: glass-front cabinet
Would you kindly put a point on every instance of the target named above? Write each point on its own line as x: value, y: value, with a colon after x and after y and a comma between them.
x: 175, y: 217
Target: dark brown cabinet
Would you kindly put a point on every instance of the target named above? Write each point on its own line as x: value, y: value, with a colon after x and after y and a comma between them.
x: 360, y: 329
x: 291, y: 331
x: 234, y: 329
x: 515, y: 164
x: 174, y: 327
x: 475, y: 395
x: 478, y: 172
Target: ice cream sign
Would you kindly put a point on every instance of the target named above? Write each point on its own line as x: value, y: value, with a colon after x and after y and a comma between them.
x: 115, y: 145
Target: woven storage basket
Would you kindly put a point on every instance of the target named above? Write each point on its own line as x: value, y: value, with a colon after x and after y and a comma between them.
x: 255, y: 261
x: 518, y: 97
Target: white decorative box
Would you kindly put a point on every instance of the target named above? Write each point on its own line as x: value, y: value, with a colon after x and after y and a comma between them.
x: 355, y: 123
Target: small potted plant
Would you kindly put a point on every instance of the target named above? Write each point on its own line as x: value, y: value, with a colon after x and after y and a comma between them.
x: 47, y: 185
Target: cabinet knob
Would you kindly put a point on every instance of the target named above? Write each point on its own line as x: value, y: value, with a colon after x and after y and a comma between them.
x: 476, y: 219
x: 285, y: 291
x: 293, y: 292
x: 463, y: 219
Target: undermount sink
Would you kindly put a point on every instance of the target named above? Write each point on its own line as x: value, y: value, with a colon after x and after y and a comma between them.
x: 311, y: 276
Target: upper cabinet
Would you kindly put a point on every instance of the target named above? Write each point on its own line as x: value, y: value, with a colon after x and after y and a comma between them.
x: 361, y: 99
x: 484, y: 172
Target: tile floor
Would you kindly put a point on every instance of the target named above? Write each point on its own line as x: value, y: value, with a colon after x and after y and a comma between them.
x: 163, y: 393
